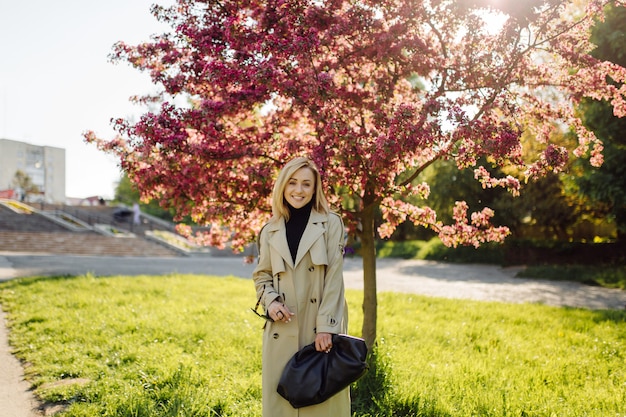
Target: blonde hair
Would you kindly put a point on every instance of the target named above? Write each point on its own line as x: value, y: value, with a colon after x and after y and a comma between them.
x: 279, y: 205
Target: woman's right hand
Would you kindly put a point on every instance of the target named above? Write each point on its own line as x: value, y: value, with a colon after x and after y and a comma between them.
x: 279, y: 312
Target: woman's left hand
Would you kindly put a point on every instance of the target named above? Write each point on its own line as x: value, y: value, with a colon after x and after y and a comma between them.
x: 323, y: 342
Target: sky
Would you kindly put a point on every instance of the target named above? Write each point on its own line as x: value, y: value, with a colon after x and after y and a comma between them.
x: 56, y: 81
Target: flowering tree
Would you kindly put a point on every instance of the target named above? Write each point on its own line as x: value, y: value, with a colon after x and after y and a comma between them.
x: 372, y: 91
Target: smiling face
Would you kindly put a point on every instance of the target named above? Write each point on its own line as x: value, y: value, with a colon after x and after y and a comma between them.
x: 300, y: 188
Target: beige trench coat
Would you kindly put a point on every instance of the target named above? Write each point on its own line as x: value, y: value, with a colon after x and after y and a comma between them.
x: 313, y: 289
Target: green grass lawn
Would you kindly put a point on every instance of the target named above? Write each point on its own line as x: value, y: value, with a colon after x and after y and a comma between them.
x: 188, y: 346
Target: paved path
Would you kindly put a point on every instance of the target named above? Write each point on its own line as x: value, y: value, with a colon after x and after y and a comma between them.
x: 478, y: 282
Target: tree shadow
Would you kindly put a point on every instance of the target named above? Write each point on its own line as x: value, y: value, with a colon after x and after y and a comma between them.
x: 372, y: 395
x: 28, y: 281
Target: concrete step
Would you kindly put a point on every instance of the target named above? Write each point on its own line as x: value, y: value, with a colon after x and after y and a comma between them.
x: 31, y: 222
x: 80, y: 243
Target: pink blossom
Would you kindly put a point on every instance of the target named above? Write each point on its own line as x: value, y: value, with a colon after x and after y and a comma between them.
x: 367, y: 90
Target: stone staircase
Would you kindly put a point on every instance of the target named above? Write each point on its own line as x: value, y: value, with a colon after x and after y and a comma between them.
x: 34, y: 233
x: 105, y: 215
x: 26, y: 222
x: 85, y: 243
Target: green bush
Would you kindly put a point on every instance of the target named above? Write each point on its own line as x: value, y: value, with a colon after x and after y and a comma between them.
x: 600, y: 275
x: 403, y: 250
x: 434, y: 250
x: 487, y: 253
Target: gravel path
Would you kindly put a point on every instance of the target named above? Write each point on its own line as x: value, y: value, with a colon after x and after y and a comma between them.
x: 484, y: 282
x: 477, y: 282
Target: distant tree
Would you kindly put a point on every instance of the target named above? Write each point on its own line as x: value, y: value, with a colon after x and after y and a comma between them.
x: 24, y: 182
x: 373, y: 91
x: 547, y: 209
x: 607, y: 184
x: 544, y: 209
x: 449, y: 184
x: 126, y: 193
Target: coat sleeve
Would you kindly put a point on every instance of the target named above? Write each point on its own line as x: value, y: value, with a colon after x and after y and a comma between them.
x: 262, y: 274
x: 332, y: 314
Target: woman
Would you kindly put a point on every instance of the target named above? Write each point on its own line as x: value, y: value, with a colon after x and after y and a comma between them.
x: 299, y: 281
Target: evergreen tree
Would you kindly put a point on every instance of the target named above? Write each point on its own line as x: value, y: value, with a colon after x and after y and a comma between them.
x: 607, y: 184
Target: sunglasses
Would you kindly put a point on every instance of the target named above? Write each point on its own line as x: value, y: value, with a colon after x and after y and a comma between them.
x: 256, y: 308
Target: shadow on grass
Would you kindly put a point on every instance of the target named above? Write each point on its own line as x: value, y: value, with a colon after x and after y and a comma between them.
x: 373, y: 396
x: 26, y: 281
x: 615, y: 316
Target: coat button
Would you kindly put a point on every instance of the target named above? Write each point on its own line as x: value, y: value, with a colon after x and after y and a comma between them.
x: 313, y: 300
x: 275, y: 335
x: 311, y: 268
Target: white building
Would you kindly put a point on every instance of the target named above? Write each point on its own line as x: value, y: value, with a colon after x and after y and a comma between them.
x: 45, y: 165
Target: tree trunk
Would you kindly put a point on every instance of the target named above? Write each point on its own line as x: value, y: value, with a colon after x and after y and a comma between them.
x: 368, y: 252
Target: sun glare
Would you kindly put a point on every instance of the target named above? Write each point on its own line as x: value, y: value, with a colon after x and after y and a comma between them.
x: 493, y: 19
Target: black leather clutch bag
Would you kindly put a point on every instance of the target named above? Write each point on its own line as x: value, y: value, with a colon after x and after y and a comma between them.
x: 311, y: 377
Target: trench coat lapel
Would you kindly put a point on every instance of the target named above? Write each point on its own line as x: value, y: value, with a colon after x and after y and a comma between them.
x: 314, y: 230
x: 278, y: 241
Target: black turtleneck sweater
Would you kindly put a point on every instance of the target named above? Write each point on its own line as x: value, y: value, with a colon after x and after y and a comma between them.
x: 298, y: 219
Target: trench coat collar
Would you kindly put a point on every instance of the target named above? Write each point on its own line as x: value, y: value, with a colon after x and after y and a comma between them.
x: 314, y: 230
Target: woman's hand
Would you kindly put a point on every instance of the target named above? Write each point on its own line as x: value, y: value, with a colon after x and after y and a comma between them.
x: 279, y: 312
x: 323, y: 342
